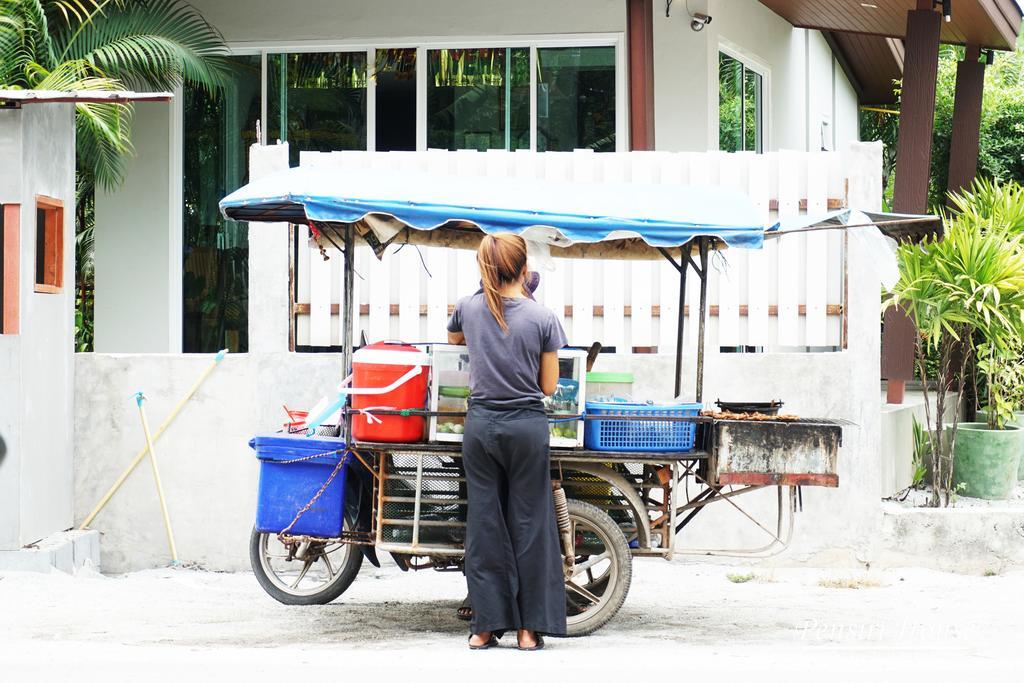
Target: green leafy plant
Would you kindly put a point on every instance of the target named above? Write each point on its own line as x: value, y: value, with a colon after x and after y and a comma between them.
x: 1004, y: 381
x: 106, y: 45
x: 992, y: 203
x: 969, y: 282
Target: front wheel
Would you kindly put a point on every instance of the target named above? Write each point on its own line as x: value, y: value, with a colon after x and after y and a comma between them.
x: 602, y: 572
x: 303, y: 573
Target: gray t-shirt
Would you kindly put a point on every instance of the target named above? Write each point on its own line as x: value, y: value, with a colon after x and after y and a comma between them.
x: 504, y: 367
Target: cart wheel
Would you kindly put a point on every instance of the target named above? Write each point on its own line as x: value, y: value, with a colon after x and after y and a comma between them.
x: 603, y: 571
x: 316, y: 575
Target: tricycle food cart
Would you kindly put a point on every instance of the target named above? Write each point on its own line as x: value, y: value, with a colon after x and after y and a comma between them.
x: 409, y: 499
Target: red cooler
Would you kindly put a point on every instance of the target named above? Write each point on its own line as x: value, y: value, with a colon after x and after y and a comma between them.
x: 389, y: 376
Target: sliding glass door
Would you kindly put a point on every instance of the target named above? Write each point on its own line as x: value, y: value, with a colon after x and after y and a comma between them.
x: 316, y: 101
x: 478, y: 98
x: 217, y: 130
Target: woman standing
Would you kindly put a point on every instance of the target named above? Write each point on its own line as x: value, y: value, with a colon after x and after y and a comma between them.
x: 513, y: 555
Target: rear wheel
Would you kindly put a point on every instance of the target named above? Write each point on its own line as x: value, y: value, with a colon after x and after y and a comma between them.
x: 303, y: 573
x: 602, y: 572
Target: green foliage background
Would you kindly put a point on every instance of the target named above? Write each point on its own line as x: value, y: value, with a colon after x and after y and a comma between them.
x: 1002, y: 122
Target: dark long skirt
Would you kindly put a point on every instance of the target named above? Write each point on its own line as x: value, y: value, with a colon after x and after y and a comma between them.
x: 513, y: 554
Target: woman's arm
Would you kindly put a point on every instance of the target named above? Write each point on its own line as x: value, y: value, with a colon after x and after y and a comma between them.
x: 457, y: 338
x: 548, y: 372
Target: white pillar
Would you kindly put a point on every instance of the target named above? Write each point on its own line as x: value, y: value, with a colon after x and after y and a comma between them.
x: 138, y: 238
x: 268, y: 263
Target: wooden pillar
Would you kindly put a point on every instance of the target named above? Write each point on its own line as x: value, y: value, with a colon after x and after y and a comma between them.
x: 913, y: 169
x: 640, y: 36
x: 966, y: 132
x: 917, y: 110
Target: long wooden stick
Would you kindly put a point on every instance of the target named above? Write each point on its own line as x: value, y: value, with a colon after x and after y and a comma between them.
x: 156, y: 435
x: 139, y: 398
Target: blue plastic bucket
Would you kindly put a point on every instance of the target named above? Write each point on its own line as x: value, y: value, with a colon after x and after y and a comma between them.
x: 286, y: 487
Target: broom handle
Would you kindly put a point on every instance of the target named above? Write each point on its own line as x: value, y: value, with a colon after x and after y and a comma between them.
x: 139, y: 398
x: 156, y: 435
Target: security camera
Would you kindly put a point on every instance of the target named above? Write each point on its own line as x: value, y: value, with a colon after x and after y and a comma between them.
x: 698, y: 21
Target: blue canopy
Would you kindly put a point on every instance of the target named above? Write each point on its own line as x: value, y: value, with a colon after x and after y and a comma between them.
x: 560, y: 213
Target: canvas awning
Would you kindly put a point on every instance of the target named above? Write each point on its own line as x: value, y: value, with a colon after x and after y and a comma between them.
x: 427, y: 209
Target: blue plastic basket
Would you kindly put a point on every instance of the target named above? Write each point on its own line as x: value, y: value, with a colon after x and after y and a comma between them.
x: 614, y: 431
x: 285, y: 487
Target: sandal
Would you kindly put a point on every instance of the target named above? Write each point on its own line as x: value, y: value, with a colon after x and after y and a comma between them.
x: 538, y: 646
x: 491, y: 642
x: 465, y: 610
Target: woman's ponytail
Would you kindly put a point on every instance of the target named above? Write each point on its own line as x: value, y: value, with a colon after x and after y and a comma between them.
x: 501, y: 258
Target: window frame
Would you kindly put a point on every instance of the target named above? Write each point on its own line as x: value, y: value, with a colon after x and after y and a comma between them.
x: 53, y: 245
x: 423, y: 44
x: 10, y: 267
x: 750, y: 62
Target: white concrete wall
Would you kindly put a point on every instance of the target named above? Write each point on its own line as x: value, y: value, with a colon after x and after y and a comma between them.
x: 37, y: 144
x: 804, y: 83
x: 138, y: 244
x: 208, y: 471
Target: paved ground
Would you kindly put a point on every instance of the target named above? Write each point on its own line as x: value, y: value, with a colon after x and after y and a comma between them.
x: 680, y: 620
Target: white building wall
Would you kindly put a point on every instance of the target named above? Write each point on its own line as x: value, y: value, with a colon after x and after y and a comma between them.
x: 138, y: 244
x: 37, y: 364
x: 260, y: 22
x: 802, y: 77
x: 847, y: 119
x: 138, y: 301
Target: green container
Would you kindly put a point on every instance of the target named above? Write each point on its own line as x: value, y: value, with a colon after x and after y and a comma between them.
x: 1018, y: 420
x: 607, y: 385
x: 987, y: 460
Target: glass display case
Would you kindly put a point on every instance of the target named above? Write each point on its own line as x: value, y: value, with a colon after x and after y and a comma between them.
x: 565, y: 406
x: 449, y: 392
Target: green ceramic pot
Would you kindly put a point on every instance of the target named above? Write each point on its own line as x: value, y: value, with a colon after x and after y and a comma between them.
x: 1018, y: 421
x: 986, y: 461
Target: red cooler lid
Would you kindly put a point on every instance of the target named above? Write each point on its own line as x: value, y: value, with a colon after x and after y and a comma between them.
x: 391, y: 353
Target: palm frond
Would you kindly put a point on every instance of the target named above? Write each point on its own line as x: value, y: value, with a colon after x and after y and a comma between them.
x: 24, y: 37
x: 103, y: 130
x: 103, y: 143
x: 157, y: 43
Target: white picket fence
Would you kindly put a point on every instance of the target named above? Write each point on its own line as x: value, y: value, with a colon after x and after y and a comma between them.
x: 787, y: 296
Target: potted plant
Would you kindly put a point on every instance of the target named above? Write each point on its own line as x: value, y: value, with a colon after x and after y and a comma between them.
x: 999, y: 206
x: 988, y: 453
x: 1004, y: 394
x: 969, y: 283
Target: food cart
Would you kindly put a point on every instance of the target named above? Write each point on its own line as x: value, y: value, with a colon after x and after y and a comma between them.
x: 408, y: 500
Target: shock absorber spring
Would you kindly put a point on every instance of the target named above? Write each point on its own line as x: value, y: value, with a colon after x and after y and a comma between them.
x: 564, y: 527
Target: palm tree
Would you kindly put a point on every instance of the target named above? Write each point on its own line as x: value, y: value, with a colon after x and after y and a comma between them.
x: 107, y: 45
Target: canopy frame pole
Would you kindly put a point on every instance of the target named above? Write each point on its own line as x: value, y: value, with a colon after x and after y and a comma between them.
x: 702, y: 272
x: 681, y: 268
x: 347, y: 312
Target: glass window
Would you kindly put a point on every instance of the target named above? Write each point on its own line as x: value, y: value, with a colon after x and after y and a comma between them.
x: 217, y: 132
x: 478, y: 99
x: 739, y: 106
x: 395, y: 90
x: 317, y: 101
x: 576, y: 98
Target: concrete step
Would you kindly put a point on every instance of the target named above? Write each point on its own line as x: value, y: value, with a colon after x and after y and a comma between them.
x: 960, y: 539
x: 64, y: 550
